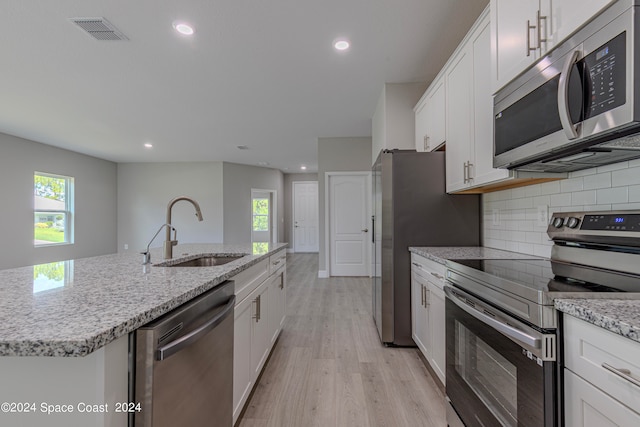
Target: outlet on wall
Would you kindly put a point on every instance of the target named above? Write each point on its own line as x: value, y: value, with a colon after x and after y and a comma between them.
x: 496, y: 216
x: 126, y: 246
x: 543, y: 216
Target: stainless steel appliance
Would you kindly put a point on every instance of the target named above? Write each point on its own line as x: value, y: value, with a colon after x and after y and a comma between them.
x: 184, y: 364
x: 411, y: 208
x: 579, y: 106
x: 503, y: 334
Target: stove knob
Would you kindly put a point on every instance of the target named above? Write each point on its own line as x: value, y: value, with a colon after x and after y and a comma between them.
x: 573, y: 222
x: 558, y: 222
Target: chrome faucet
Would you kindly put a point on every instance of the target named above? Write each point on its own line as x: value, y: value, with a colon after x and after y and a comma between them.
x: 168, y: 243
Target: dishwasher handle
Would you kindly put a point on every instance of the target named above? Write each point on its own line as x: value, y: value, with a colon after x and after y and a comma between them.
x: 175, y: 346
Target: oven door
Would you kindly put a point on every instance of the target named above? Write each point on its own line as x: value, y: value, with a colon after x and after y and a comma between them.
x: 494, y: 376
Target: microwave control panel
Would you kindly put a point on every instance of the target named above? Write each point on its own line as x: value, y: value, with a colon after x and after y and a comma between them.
x: 606, y: 69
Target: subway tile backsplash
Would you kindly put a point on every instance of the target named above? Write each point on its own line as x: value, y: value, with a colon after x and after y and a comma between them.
x: 513, y: 218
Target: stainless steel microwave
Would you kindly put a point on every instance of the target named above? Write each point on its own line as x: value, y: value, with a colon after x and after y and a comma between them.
x: 579, y: 106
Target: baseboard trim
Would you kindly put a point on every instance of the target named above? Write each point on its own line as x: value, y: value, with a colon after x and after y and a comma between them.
x: 323, y: 274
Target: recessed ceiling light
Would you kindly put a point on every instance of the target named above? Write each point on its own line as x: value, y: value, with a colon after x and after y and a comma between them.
x: 183, y: 28
x: 341, y: 44
x: 148, y: 145
x: 304, y: 168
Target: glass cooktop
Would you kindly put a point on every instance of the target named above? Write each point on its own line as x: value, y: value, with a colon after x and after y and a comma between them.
x: 536, y: 274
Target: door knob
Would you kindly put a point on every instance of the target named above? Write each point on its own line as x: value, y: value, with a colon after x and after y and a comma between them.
x: 366, y: 230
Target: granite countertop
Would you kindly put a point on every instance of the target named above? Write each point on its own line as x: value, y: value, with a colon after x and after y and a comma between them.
x: 619, y: 316
x: 440, y: 254
x: 74, y: 307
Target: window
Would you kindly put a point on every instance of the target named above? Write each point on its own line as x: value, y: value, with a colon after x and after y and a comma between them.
x: 52, y: 209
x: 260, y: 214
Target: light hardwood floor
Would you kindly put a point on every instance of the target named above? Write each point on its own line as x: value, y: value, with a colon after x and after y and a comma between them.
x: 329, y: 368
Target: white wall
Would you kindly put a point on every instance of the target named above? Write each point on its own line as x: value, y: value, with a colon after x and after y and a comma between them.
x: 611, y: 187
x: 145, y: 189
x: 289, y: 179
x: 393, y: 123
x: 338, y: 155
x: 238, y: 180
x: 95, y: 202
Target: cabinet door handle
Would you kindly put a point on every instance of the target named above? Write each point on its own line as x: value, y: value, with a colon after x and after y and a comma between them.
x: 422, y: 295
x: 529, y: 28
x: 465, y: 172
x: 257, y: 315
x: 622, y: 373
x: 426, y: 143
x: 469, y: 174
x: 546, y: 23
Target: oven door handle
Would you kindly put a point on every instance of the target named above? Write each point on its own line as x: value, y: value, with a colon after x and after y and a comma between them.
x: 507, y: 330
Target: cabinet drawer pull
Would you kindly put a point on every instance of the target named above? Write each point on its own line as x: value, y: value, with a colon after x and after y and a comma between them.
x: 436, y: 275
x: 416, y: 264
x: 622, y: 373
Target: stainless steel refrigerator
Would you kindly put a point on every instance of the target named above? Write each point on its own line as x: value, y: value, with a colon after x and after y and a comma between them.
x: 411, y: 208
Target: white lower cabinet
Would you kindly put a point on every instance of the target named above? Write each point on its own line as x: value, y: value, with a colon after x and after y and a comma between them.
x: 258, y: 318
x: 427, y: 311
x: 601, y: 369
x: 588, y: 406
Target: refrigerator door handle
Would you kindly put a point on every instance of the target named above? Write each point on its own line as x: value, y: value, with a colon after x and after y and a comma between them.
x: 373, y: 227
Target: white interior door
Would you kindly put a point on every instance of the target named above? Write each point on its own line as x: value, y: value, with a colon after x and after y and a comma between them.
x: 261, y: 214
x: 348, y: 223
x: 305, y: 216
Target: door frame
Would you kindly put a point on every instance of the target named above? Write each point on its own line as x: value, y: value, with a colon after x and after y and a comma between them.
x: 327, y: 216
x: 274, y: 213
x: 293, y: 211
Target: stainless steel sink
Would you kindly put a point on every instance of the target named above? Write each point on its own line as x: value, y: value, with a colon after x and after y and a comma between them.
x: 203, y: 261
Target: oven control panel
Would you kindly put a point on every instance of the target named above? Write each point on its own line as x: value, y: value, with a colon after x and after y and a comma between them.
x: 622, y: 222
x: 583, y: 226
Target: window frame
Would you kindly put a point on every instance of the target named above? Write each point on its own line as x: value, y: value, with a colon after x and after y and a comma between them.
x: 68, y: 211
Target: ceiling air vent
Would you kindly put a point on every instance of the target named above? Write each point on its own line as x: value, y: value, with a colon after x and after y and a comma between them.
x: 99, y: 28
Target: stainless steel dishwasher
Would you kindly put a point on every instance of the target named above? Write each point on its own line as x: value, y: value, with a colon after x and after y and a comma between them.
x: 184, y: 364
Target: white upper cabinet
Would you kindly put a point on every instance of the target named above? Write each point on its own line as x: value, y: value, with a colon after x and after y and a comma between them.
x: 470, y: 114
x: 523, y: 31
x: 566, y: 16
x: 459, y: 77
x: 430, y: 117
x: 482, y: 170
x: 514, y: 42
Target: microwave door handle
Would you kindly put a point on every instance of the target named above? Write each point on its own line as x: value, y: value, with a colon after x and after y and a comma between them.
x: 563, y: 96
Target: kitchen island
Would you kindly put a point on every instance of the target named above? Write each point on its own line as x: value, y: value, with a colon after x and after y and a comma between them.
x: 64, y: 328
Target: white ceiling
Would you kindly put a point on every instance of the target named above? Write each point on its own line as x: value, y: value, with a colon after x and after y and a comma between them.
x: 257, y: 73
